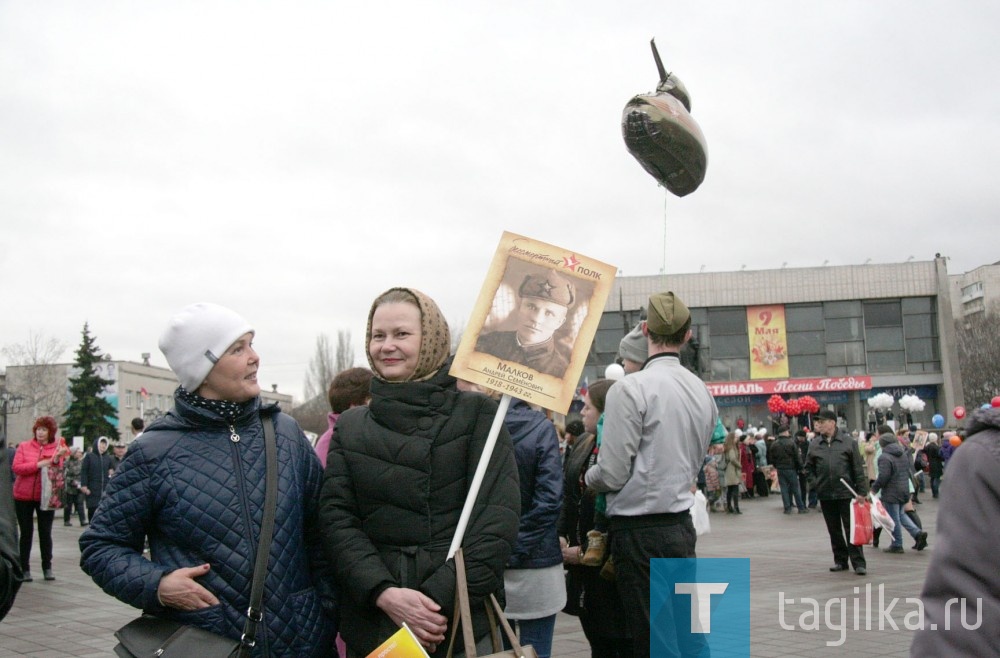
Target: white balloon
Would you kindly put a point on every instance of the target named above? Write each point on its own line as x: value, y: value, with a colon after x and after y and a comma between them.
x: 614, y: 372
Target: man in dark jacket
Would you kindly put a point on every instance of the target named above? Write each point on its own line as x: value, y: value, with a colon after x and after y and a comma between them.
x: 784, y: 456
x: 94, y: 475
x: 963, y: 571
x: 833, y: 455
x: 10, y: 564
x: 893, y: 481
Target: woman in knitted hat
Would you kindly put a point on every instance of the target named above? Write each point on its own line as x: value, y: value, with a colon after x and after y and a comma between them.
x: 397, y: 476
x: 194, y: 484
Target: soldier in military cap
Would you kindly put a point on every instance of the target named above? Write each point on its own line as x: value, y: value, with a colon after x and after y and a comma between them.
x: 658, y: 423
x: 544, y: 301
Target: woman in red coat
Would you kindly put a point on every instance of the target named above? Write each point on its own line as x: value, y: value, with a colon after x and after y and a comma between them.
x: 44, y: 449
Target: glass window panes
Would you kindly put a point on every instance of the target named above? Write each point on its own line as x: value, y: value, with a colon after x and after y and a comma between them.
x: 838, y: 329
x: 921, y: 349
x: 884, y: 339
x: 806, y: 342
x: 913, y: 305
x: 699, y: 316
x: 607, y: 340
x: 842, y: 309
x: 730, y: 369
x: 810, y: 365
x: 845, y: 354
x: 883, y: 314
x: 728, y: 321
x: 885, y: 362
x: 730, y: 346
x: 919, y: 326
x: 804, y: 318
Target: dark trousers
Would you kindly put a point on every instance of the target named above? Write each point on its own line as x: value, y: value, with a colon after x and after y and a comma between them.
x: 634, y: 542
x: 71, y: 500
x: 788, y: 480
x: 26, y: 510
x: 837, y: 514
x: 733, y: 498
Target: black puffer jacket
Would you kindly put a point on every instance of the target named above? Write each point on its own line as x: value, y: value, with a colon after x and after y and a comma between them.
x: 834, y: 458
x: 396, y: 478
x: 94, y: 473
x: 894, y: 471
x: 10, y: 564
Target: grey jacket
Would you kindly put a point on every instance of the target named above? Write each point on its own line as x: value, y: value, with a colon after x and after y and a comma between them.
x: 894, y: 471
x: 658, y: 423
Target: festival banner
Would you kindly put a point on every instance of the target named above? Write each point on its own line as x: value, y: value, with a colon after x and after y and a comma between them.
x: 791, y: 386
x: 768, y: 342
x: 534, y: 320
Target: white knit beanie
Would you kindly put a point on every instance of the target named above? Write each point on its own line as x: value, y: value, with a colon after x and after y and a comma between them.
x: 195, y: 339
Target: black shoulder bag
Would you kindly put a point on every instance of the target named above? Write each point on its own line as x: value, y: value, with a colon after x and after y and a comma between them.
x: 152, y: 636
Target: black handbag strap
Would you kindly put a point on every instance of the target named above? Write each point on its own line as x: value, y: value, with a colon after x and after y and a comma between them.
x: 255, y: 613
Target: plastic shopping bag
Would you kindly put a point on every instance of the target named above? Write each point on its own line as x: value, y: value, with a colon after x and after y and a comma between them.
x: 880, y: 515
x: 699, y: 514
x: 861, y: 523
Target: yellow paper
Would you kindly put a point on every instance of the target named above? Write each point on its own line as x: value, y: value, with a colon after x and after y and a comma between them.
x: 402, y: 644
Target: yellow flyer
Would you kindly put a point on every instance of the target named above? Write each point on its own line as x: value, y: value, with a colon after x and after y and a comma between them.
x: 402, y: 644
x: 533, y: 322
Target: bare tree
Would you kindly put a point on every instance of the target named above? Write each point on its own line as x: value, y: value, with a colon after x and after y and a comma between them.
x: 321, y: 368
x: 42, y: 387
x: 979, y: 356
x: 345, y: 353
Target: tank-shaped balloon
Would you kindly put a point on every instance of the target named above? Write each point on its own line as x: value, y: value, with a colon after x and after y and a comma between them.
x: 662, y: 135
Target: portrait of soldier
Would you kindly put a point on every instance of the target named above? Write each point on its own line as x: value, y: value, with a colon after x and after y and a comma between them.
x: 544, y: 301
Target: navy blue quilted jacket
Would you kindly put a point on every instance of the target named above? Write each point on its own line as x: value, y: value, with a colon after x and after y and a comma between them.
x: 194, y: 492
x: 539, y: 469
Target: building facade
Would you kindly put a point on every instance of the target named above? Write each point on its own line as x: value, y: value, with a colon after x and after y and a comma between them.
x: 837, y: 334
x: 138, y: 390
x: 976, y: 291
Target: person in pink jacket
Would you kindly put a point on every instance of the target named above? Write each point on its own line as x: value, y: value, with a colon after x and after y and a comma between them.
x: 350, y: 388
x: 45, y: 449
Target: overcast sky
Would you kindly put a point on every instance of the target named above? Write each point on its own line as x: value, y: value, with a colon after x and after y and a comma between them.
x: 292, y: 160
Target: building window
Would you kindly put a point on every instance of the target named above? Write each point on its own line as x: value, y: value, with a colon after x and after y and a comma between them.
x: 128, y: 399
x: 920, y: 330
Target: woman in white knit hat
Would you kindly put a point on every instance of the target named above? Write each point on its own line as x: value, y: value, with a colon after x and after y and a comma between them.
x: 194, y: 484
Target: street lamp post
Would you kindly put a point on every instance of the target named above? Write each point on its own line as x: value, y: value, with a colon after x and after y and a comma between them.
x: 10, y: 403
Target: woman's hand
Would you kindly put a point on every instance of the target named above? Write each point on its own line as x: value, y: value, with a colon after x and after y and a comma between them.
x: 179, y: 590
x: 419, y: 611
x: 571, y: 554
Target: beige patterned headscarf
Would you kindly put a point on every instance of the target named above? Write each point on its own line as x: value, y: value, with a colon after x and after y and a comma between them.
x: 435, y: 338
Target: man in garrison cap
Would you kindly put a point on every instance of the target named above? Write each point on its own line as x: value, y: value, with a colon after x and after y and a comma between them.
x: 544, y: 301
x: 658, y: 423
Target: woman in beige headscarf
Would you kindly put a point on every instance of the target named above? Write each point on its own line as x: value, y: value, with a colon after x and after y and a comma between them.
x: 397, y: 476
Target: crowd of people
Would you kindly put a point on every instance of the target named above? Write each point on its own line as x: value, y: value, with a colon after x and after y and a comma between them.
x: 568, y: 516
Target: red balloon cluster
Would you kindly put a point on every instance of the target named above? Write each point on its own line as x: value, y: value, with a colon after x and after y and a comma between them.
x: 808, y: 404
x: 793, y: 408
x: 776, y: 404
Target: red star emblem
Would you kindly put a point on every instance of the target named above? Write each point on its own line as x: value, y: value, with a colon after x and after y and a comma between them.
x: 571, y: 262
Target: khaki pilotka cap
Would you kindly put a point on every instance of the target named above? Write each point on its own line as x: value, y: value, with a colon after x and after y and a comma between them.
x: 666, y: 313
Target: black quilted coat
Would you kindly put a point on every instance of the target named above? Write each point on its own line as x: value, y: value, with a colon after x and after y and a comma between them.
x: 195, y: 493
x: 396, y: 478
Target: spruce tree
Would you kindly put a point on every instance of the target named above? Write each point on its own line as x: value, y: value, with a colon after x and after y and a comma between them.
x: 88, y: 413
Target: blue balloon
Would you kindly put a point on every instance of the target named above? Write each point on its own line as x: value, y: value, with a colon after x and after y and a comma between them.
x: 938, y: 420
x: 986, y: 406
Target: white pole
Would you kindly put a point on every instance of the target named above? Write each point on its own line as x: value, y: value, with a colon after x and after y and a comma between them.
x: 477, y: 479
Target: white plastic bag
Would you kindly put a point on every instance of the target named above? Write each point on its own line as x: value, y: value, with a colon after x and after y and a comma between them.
x: 699, y: 514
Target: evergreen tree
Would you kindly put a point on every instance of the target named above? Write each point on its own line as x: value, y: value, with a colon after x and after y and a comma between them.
x: 88, y: 412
